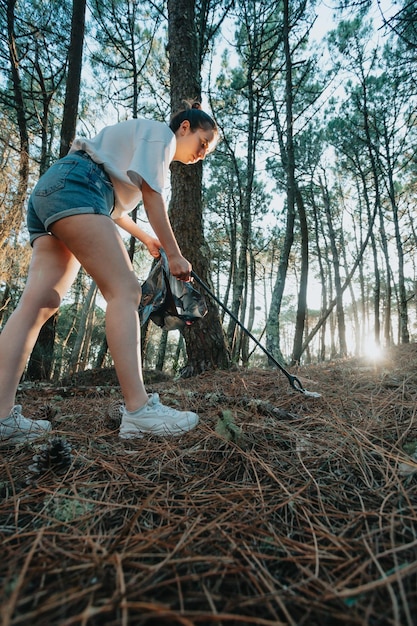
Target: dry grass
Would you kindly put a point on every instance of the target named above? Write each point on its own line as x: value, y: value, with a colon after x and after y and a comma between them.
x: 305, y: 515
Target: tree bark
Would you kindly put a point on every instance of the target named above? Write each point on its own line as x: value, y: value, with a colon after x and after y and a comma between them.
x: 75, y: 62
x: 205, y: 341
x: 20, y: 112
x: 341, y: 325
x: 41, y: 360
x: 76, y: 361
x: 301, y: 314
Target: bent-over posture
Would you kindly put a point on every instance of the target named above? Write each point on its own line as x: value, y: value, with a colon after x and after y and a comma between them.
x: 72, y: 217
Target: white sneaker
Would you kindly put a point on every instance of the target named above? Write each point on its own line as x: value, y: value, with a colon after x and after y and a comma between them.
x: 18, y: 429
x: 156, y: 419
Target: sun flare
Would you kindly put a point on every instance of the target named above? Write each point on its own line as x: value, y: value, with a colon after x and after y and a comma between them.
x: 372, y: 350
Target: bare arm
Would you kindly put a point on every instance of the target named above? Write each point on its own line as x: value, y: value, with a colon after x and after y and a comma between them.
x: 132, y: 228
x: 158, y: 219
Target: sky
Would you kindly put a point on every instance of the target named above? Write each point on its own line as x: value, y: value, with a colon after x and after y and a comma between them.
x: 326, y: 20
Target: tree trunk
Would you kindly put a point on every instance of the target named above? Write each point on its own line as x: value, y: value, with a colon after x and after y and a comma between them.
x: 240, y: 280
x: 19, y: 105
x: 375, y: 256
x: 302, y: 292
x: 23, y: 135
x: 205, y: 341
x: 251, y: 310
x: 318, y: 229
x: 40, y: 362
x: 72, y: 94
x: 74, y: 364
x: 272, y: 325
x: 162, y: 348
x: 41, y: 359
x: 341, y: 325
x: 402, y: 293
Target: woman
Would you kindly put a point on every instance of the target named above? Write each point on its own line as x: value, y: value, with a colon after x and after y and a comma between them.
x: 69, y: 226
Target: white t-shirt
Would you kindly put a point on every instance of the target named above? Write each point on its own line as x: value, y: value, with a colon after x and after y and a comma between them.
x: 131, y: 152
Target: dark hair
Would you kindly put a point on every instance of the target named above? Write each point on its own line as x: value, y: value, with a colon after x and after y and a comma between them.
x: 195, y: 115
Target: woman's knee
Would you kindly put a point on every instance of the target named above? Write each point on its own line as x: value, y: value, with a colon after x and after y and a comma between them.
x: 135, y: 294
x: 128, y: 292
x: 37, y: 310
x: 46, y: 313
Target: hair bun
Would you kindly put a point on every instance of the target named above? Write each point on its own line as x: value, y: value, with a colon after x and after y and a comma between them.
x: 193, y: 113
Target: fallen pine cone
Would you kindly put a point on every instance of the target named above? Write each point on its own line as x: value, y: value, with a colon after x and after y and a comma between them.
x: 113, y: 417
x: 46, y: 412
x: 55, y: 455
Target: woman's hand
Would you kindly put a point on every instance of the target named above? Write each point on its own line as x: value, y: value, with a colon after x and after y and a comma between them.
x: 154, y: 245
x: 180, y: 267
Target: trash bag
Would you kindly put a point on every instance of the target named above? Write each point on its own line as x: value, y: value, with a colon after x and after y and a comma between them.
x: 170, y: 303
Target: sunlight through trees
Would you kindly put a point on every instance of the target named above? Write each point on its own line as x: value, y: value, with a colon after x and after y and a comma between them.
x: 303, y: 219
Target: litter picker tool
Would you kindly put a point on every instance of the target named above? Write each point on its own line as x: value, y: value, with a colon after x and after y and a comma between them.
x: 293, y: 380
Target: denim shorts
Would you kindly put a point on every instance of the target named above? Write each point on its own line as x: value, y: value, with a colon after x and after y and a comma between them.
x: 72, y: 186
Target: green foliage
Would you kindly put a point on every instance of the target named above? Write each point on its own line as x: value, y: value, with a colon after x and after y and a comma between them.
x: 41, y: 41
x: 227, y: 428
x: 353, y: 124
x: 128, y: 57
x: 66, y: 333
x: 67, y: 508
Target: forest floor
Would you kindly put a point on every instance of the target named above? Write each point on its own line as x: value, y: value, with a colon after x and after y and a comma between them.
x: 277, y: 509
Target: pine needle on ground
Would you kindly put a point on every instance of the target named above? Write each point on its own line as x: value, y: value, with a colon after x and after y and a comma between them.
x: 307, y: 515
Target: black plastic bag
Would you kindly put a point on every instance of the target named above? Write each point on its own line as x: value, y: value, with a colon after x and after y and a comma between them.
x: 170, y: 303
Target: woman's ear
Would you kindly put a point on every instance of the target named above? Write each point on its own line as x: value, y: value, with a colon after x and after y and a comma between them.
x: 185, y: 125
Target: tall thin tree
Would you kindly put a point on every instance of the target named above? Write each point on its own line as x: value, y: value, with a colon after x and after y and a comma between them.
x: 41, y: 360
x: 205, y: 342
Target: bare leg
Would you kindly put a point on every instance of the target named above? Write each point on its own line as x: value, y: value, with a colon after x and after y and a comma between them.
x: 52, y: 270
x: 94, y: 240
